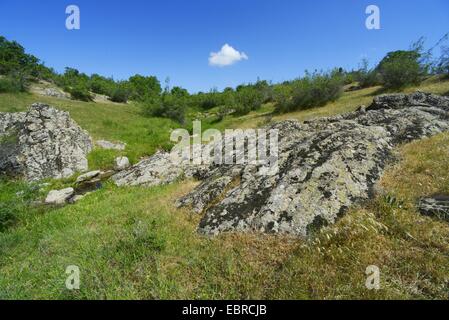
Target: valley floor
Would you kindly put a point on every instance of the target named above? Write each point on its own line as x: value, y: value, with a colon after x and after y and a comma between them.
x: 132, y: 243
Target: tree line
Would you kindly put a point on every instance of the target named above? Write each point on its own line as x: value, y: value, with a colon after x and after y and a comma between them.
x: 395, y: 71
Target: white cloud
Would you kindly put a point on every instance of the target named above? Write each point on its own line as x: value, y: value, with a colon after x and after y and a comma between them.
x: 226, y: 57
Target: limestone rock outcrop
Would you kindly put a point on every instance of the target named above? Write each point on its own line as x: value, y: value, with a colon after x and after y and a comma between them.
x: 59, y: 197
x: 42, y: 143
x: 155, y: 170
x: 325, y: 166
x: 437, y: 206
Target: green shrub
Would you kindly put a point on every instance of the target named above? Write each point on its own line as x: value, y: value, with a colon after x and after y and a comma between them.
x: 367, y: 77
x: 12, y: 84
x: 80, y: 92
x: 400, y: 69
x: 209, y: 100
x: 119, y: 94
x: 142, y: 87
x: 248, y: 99
x: 313, y: 90
x: 265, y: 90
x: 101, y: 85
x: 166, y: 106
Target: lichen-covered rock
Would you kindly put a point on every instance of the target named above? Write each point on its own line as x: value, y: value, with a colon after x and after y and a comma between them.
x: 325, y: 166
x: 437, y: 207
x: 121, y: 163
x: 59, y: 197
x: 42, y: 143
x: 88, y: 176
x: 155, y: 170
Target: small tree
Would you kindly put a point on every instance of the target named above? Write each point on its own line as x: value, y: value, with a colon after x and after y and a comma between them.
x: 143, y: 87
x: 119, y: 94
x: 80, y: 92
x: 248, y: 99
x: 400, y: 69
x: 367, y: 77
x: 166, y: 105
x: 12, y: 84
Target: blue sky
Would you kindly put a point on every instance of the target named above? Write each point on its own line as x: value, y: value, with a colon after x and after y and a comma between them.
x: 281, y: 38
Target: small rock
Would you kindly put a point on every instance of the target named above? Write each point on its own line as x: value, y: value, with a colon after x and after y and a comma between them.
x: 110, y: 145
x: 121, y: 163
x: 361, y: 109
x: 88, y: 176
x: 106, y: 174
x: 437, y: 206
x: 56, y: 93
x: 59, y: 196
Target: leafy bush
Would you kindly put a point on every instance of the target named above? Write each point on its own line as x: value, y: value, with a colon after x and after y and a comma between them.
x: 14, y: 59
x: 313, y: 90
x: 265, y: 90
x: 143, y: 87
x: 102, y: 85
x: 367, y: 77
x: 119, y: 94
x: 10, y: 84
x: 209, y: 100
x: 80, y: 92
x: 167, y: 106
x: 248, y: 99
x: 400, y: 69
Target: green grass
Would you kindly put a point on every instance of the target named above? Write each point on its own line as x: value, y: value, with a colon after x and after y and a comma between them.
x: 132, y: 243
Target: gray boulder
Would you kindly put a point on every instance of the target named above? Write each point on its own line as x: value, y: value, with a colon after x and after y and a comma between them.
x: 59, y: 197
x: 121, y: 163
x: 88, y: 176
x: 56, y: 93
x: 155, y: 170
x: 42, y: 143
x: 437, y: 207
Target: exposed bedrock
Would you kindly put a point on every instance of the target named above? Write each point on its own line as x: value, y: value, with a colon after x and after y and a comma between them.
x: 325, y: 166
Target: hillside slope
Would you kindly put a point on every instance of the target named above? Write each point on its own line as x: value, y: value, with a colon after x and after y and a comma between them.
x: 133, y: 242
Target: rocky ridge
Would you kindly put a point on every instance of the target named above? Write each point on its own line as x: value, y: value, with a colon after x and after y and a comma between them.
x: 325, y: 166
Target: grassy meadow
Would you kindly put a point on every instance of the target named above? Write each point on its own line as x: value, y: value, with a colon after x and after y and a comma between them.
x: 132, y: 243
